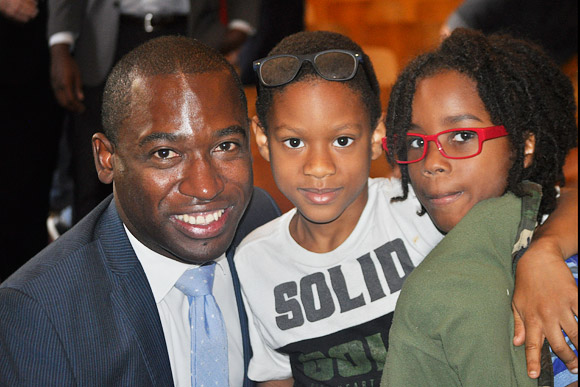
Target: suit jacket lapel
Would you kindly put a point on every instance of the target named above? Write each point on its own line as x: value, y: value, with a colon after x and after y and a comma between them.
x: 261, y: 210
x: 133, y: 297
x: 242, y: 314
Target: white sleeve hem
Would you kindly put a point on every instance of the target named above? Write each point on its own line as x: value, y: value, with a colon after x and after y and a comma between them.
x: 64, y: 37
x: 242, y: 25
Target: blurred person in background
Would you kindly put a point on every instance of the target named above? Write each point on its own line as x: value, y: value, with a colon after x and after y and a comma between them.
x: 31, y: 121
x: 551, y: 24
x: 278, y: 19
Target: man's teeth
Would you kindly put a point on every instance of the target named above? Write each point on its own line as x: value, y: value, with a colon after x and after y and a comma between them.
x: 200, y: 219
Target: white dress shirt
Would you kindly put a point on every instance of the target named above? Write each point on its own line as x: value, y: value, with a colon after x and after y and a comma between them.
x: 173, y: 307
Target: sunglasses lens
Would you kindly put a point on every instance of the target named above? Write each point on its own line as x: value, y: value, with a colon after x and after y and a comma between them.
x: 336, y: 65
x: 280, y: 70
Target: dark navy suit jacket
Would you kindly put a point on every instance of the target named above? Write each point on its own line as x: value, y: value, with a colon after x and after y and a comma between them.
x: 82, y: 312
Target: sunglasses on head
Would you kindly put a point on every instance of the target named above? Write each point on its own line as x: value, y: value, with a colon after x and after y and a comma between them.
x: 332, y: 65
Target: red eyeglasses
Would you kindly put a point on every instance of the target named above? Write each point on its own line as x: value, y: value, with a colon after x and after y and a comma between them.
x: 460, y: 143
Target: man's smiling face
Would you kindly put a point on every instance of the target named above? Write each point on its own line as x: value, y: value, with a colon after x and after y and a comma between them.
x: 182, y: 164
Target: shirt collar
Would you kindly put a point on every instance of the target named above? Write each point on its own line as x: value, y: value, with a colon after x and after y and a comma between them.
x: 162, y: 272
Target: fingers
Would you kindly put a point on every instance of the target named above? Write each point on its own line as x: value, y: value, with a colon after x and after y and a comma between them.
x: 67, y: 94
x: 78, y: 89
x: 66, y: 79
x: 519, y: 328
x: 561, y: 347
x: 28, y: 9
x: 565, y: 353
x: 534, y: 342
x: 571, y: 327
x: 19, y: 10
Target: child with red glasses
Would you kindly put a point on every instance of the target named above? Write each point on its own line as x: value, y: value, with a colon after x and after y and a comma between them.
x: 320, y: 283
x: 480, y: 128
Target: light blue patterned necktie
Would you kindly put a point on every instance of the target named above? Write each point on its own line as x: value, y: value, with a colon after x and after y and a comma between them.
x: 209, y: 342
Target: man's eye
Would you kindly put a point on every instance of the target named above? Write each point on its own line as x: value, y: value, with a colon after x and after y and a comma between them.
x: 293, y: 143
x: 165, y: 154
x: 227, y: 146
x: 343, y: 142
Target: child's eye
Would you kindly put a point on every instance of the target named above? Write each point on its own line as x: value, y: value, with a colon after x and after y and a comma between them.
x: 415, y: 143
x: 343, y: 142
x: 165, y: 154
x: 293, y: 143
x: 463, y: 136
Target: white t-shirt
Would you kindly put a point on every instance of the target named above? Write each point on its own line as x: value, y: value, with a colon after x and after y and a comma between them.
x: 324, y: 318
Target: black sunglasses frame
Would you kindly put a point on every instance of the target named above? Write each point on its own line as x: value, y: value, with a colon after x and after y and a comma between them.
x: 357, y: 56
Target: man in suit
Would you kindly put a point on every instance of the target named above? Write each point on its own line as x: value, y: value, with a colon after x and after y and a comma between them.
x: 98, y: 306
x: 87, y: 37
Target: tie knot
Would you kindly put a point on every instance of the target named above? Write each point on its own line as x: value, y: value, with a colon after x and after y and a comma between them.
x: 197, y: 282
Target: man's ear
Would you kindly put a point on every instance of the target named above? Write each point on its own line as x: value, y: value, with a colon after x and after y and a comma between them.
x: 529, y: 150
x: 261, y: 138
x: 103, y: 151
x: 377, y: 138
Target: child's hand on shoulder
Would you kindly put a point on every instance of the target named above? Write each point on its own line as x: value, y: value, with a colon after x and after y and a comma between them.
x: 545, y: 302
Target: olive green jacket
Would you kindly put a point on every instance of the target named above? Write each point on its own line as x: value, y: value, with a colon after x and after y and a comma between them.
x: 453, y: 324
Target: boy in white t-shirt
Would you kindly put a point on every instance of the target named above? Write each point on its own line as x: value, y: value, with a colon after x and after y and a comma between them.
x: 321, y: 282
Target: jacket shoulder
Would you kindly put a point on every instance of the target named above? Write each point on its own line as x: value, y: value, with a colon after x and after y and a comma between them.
x: 72, y: 249
x: 261, y: 209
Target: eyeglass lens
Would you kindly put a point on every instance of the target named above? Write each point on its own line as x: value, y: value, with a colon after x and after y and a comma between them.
x: 461, y: 143
x: 277, y: 71
x: 335, y: 65
x: 330, y: 65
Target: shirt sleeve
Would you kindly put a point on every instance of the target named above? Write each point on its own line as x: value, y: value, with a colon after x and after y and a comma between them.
x: 31, y: 349
x: 65, y: 37
x: 243, y: 26
x: 266, y: 363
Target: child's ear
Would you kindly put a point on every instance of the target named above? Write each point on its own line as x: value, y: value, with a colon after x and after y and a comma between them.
x: 261, y: 138
x: 529, y: 150
x: 377, y: 138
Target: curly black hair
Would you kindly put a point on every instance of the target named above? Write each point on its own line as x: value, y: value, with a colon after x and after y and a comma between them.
x: 521, y: 88
x: 365, y: 82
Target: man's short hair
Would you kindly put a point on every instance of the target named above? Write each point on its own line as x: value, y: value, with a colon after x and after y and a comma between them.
x: 160, y: 56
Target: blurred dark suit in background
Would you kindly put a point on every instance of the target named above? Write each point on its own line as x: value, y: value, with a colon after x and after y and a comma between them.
x: 30, y: 123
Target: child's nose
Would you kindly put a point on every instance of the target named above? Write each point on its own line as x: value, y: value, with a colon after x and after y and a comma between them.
x: 320, y: 164
x: 434, y: 161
